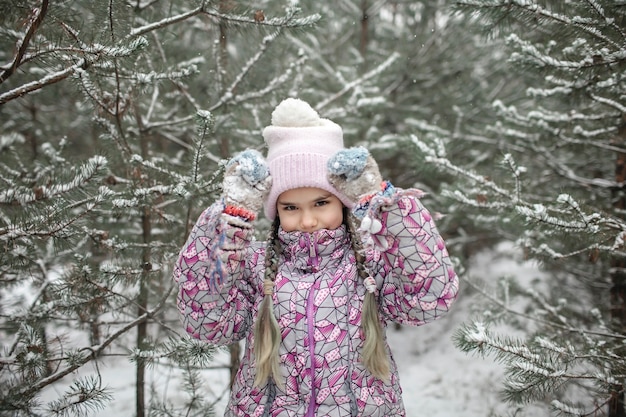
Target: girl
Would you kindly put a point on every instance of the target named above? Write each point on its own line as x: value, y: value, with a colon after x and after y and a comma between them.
x: 313, y: 302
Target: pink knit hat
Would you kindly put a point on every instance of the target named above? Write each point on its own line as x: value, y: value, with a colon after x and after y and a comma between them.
x: 299, y: 146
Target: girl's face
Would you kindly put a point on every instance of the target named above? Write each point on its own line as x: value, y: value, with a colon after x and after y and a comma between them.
x: 309, y: 209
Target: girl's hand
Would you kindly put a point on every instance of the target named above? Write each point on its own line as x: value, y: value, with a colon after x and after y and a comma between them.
x: 247, y: 181
x: 354, y: 173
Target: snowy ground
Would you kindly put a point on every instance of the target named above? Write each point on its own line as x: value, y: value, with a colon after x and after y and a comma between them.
x: 438, y: 380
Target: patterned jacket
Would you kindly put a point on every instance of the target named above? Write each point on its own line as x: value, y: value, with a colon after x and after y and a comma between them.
x: 318, y: 300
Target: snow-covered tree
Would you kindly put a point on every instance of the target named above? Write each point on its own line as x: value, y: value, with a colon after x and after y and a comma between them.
x: 558, y: 193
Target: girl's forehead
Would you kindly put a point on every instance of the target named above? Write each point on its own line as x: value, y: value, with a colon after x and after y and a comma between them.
x: 303, y: 194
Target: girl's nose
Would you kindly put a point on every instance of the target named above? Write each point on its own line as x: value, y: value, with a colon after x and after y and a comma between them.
x: 308, y: 220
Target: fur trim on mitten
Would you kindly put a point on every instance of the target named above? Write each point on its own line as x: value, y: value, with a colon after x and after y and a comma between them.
x: 247, y: 181
x: 354, y: 173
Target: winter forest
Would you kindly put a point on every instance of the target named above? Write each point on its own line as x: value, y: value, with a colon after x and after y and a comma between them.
x: 117, y: 116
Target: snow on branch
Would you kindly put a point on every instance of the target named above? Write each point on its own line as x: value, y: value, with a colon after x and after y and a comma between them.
x: 535, y: 367
x: 149, y: 78
x: 287, y: 21
x: 540, y: 213
x: 54, y: 221
x: 537, y: 13
x: 503, y: 302
x: 83, y: 175
x: 436, y: 157
x: 228, y: 94
x: 529, y: 50
x: 476, y: 336
x: 95, y: 52
x: 361, y: 80
x: 564, y: 215
x: 165, y: 22
x: 52, y: 78
x: 283, y: 77
x: 611, y: 103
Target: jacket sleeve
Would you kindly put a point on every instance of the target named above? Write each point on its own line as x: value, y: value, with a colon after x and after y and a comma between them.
x: 214, y: 273
x: 408, y: 258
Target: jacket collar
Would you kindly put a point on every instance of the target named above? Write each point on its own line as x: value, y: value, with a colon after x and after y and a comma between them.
x: 311, y: 252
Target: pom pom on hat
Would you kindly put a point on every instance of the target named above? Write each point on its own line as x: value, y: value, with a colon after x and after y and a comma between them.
x: 293, y: 112
x: 300, y: 143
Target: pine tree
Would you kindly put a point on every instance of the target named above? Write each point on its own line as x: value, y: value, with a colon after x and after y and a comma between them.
x: 558, y: 193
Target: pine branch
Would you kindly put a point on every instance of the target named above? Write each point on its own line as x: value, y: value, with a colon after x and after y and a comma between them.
x: 534, y: 369
x: 97, y: 52
x: 287, y: 21
x: 93, y: 352
x: 611, y: 103
x: 566, y: 172
x: 604, y: 18
x: 437, y: 157
x: 534, y: 212
x: 501, y: 305
x: 85, y: 395
x: 34, y: 21
x: 360, y: 81
x: 205, y: 124
x: 273, y: 84
x: 154, y: 26
x: 43, y: 82
x: 312, y: 51
x: 227, y: 96
x: 41, y: 291
x: 85, y: 174
x: 534, y: 12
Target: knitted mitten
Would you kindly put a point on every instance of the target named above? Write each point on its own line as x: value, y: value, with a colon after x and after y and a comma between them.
x: 247, y: 182
x: 354, y: 173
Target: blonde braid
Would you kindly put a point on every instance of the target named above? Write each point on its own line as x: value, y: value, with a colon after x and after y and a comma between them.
x: 267, y: 336
x: 374, y: 353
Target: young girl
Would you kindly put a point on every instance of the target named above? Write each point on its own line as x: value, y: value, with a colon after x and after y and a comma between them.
x: 347, y: 255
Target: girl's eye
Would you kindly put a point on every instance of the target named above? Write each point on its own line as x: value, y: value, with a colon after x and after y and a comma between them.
x: 289, y: 208
x: 321, y: 203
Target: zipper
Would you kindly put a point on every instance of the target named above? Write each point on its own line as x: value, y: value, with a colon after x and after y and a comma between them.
x: 310, y: 317
x: 313, y: 261
x: 310, y: 313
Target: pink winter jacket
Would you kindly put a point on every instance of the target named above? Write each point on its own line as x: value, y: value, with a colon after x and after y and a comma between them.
x: 318, y: 300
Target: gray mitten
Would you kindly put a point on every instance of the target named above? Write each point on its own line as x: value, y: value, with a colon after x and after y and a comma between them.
x: 354, y: 173
x: 247, y: 181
